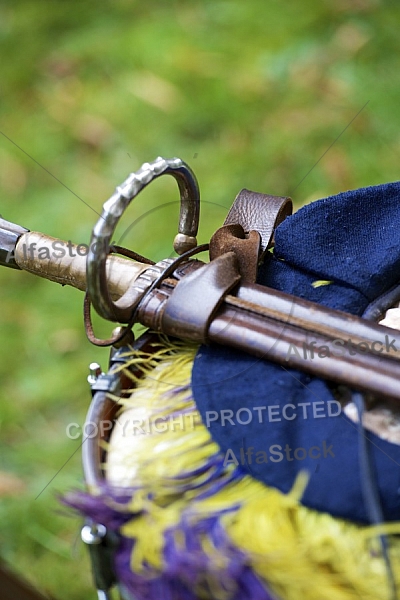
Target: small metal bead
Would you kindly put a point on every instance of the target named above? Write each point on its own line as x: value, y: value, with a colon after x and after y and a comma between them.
x: 94, y: 372
x: 93, y: 534
x: 183, y: 242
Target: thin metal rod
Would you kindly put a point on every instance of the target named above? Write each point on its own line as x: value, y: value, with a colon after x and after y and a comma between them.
x: 312, y: 317
x: 294, y: 348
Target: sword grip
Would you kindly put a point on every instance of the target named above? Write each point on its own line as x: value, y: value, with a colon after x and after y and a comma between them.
x: 65, y: 263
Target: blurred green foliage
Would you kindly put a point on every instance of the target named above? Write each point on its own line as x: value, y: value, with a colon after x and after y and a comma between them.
x: 250, y: 94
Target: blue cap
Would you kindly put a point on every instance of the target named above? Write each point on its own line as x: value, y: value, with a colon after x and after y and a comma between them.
x: 276, y: 422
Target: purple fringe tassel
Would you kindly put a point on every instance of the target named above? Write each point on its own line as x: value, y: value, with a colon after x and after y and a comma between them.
x: 183, y: 575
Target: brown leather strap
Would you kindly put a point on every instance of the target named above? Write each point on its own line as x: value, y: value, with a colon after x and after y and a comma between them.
x: 259, y: 212
x: 251, y: 212
x: 232, y: 238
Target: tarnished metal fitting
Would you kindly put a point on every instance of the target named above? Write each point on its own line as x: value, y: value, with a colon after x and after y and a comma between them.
x: 9, y: 236
x: 94, y: 373
x: 101, y: 547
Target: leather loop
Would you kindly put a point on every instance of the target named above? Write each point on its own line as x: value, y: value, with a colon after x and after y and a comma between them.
x: 259, y: 212
x: 232, y: 238
x: 190, y: 309
x: 248, y: 230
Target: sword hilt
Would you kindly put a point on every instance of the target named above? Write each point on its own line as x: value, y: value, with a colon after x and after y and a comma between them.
x: 61, y: 261
x: 114, y: 208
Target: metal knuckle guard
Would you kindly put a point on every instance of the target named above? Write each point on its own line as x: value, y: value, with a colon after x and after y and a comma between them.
x: 114, y: 208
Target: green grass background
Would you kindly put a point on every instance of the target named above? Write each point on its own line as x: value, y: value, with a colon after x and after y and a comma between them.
x: 251, y: 94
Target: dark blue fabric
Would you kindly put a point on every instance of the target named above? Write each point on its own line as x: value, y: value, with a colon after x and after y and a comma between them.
x: 352, y: 239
